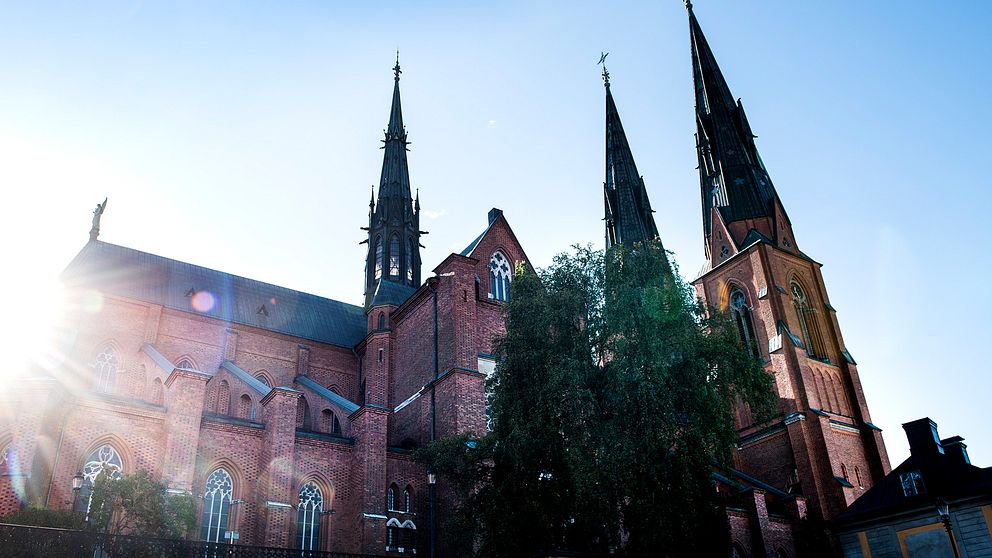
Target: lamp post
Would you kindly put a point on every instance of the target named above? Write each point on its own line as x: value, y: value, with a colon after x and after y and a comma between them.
x: 77, y: 485
x: 432, y: 500
x: 943, y: 510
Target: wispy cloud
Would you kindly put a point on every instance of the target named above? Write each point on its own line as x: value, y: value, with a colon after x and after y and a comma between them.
x: 491, y: 124
x: 434, y: 214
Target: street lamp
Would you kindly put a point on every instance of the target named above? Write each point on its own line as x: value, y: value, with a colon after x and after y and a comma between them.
x: 943, y: 510
x: 432, y: 501
x: 77, y: 485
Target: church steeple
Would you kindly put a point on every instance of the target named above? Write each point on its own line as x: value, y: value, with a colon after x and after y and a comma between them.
x: 734, y: 185
x: 629, y: 217
x: 394, y: 218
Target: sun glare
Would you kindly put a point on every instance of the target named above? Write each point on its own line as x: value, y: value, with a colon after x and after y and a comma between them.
x: 34, y: 305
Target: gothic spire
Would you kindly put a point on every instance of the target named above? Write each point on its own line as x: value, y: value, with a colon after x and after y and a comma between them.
x: 394, y: 217
x: 732, y: 177
x: 628, y: 211
x: 395, y: 179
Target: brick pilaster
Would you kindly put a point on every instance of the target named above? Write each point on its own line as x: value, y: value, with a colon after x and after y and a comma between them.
x: 184, y: 407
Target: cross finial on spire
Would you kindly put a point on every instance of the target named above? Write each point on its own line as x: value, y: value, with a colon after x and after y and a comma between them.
x: 688, y: 5
x: 606, y: 74
x: 396, y: 69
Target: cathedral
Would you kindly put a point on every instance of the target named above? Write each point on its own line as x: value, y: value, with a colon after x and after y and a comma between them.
x: 292, y: 418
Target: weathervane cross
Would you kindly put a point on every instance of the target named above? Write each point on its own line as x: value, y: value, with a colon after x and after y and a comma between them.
x: 606, y: 74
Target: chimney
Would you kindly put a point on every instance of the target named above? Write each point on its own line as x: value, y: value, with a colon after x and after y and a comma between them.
x: 956, y: 449
x: 923, y: 438
x: 494, y: 214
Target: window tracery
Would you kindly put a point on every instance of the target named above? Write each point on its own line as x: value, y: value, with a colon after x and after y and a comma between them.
x: 394, y: 256
x: 378, y: 258
x: 807, y: 322
x: 102, y: 461
x: 308, y: 511
x: 743, y: 318
x: 105, y: 367
x: 217, y: 497
x: 500, y: 275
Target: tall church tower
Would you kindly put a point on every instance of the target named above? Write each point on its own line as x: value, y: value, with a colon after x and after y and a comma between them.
x: 629, y: 217
x: 821, y: 442
x: 394, y: 219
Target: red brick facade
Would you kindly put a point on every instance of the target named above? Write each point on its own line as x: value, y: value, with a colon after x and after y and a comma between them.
x: 822, y: 443
x: 183, y: 423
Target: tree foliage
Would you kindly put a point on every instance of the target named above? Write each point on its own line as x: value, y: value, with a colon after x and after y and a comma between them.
x: 613, y: 397
x: 138, y: 505
x: 44, y: 517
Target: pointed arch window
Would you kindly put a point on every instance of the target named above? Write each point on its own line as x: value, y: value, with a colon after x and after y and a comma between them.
x: 5, y: 458
x: 223, y: 398
x: 500, y: 276
x: 158, y: 392
x: 303, y: 414
x: 103, y: 460
x: 308, y: 517
x: 807, y: 322
x: 216, y: 506
x: 329, y: 422
x: 407, y: 497
x: 105, y: 367
x: 394, y: 256
x: 245, y: 409
x: 186, y: 363
x: 391, y: 498
x: 378, y: 257
x: 411, y: 250
x: 741, y: 313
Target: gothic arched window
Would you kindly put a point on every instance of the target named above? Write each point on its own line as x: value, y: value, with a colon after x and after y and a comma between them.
x: 4, y: 457
x: 262, y: 377
x: 308, y: 517
x: 303, y: 414
x: 391, y: 498
x: 807, y: 322
x: 105, y: 367
x: 217, y: 497
x: 245, y: 410
x: 741, y: 313
x: 394, y: 256
x: 223, y: 398
x: 103, y: 460
x: 329, y: 422
x: 500, y: 275
x: 407, y: 497
x: 186, y: 363
x: 378, y: 257
x: 411, y: 250
x: 158, y: 392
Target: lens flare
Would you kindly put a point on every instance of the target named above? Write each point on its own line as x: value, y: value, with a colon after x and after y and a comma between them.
x: 203, y: 301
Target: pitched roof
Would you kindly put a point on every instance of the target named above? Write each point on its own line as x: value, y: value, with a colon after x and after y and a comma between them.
x: 121, y: 271
x: 943, y: 475
x: 389, y: 292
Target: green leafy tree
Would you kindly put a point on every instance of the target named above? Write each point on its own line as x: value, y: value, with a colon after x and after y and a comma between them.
x: 138, y: 505
x: 613, y: 397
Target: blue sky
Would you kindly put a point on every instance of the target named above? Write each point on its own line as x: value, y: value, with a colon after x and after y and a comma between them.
x: 244, y: 136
